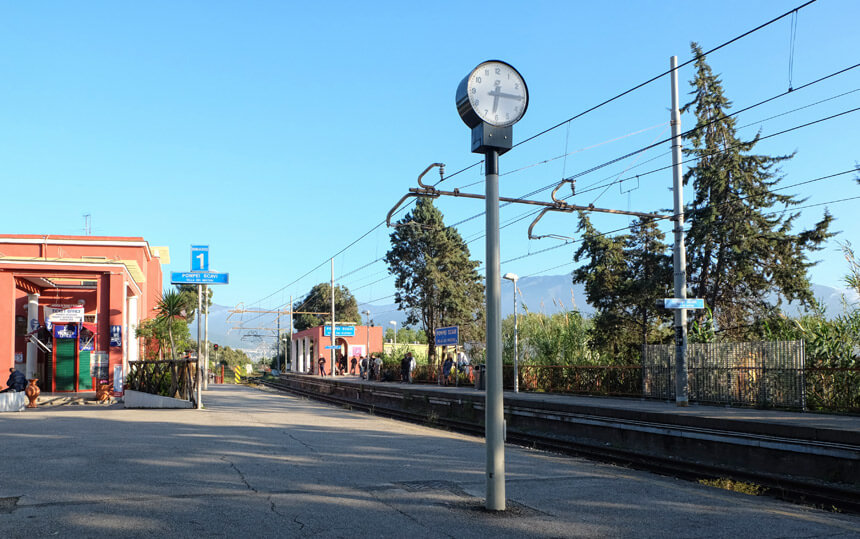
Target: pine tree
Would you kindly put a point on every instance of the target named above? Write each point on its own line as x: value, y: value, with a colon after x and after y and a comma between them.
x: 436, y: 282
x: 741, y: 247
x: 624, y: 276
x: 319, y: 300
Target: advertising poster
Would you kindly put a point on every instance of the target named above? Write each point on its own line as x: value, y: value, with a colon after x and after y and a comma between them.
x: 117, y: 381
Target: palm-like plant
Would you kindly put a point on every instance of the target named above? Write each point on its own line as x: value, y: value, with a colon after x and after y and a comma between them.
x: 169, y: 306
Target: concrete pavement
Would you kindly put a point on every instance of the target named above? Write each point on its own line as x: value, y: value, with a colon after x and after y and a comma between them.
x: 261, y: 464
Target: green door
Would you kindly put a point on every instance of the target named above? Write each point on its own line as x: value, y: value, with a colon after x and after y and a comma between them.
x: 85, y: 381
x: 65, y: 351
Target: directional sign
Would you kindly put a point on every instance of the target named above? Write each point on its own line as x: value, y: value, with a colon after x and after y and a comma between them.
x: 340, y: 331
x: 448, y: 336
x: 199, y: 258
x: 332, y: 347
x: 683, y: 303
x: 199, y: 277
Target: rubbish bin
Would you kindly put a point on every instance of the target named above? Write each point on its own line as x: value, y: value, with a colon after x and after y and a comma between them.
x: 481, y: 377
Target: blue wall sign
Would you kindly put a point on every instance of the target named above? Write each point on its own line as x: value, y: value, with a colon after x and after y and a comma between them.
x: 65, y: 331
x: 199, y: 258
x: 200, y: 277
x: 340, y: 331
x: 447, y: 336
x: 116, y: 336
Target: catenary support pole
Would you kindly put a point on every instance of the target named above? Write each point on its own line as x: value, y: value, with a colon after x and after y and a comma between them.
x: 494, y: 398
x: 333, y: 357
x: 199, y: 350
x: 206, y: 338
x: 292, y: 355
x: 679, y: 257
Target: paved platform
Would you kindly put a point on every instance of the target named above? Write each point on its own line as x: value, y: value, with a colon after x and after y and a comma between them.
x: 264, y: 464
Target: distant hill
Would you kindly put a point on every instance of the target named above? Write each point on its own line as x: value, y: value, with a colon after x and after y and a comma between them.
x: 548, y: 294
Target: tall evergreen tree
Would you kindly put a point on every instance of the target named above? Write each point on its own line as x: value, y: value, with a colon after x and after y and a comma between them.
x: 319, y: 300
x: 624, y: 276
x: 437, y: 283
x: 741, y: 247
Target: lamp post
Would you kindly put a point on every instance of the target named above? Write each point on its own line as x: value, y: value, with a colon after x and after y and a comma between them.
x: 394, y: 323
x: 513, y: 277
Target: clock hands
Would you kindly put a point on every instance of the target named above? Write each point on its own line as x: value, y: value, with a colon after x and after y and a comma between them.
x: 497, y: 93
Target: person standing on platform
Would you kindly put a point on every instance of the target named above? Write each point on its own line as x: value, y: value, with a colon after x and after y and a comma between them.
x: 322, y: 366
x: 463, y: 364
x: 404, y: 368
x: 352, y: 363
x: 446, y: 368
x: 411, y: 366
x: 377, y: 367
x: 362, y: 367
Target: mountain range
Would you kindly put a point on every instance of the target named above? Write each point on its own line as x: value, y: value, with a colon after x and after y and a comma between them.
x: 548, y: 294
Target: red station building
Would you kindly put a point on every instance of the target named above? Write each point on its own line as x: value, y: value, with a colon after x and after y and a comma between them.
x: 70, y: 305
x: 308, y: 345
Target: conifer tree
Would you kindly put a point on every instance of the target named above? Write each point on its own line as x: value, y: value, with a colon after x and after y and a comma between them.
x: 624, y: 276
x: 436, y: 282
x: 741, y: 246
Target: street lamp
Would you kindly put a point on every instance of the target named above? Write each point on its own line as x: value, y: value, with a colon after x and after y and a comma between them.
x: 514, y: 278
x: 394, y: 323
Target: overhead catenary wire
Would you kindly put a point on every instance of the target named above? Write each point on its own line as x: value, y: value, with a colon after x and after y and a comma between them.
x: 567, y: 121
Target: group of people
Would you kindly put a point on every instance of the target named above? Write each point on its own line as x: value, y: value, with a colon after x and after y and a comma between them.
x: 370, y: 367
x: 463, y: 366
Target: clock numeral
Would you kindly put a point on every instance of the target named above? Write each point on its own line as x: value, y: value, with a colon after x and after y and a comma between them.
x: 498, y: 71
x: 477, y: 101
x: 485, y: 112
x: 507, y: 116
x: 474, y: 90
x: 516, y: 86
x: 497, y: 117
x: 487, y: 72
x: 478, y: 80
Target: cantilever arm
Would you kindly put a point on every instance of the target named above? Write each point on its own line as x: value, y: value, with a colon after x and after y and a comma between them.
x: 540, y: 216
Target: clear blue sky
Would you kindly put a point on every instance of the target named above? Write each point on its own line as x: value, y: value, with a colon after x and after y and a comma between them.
x: 279, y: 132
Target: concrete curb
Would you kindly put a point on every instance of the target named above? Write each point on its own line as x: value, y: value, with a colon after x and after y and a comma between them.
x: 137, y: 399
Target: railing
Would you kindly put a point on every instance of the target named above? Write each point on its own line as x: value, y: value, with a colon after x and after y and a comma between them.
x: 175, y: 379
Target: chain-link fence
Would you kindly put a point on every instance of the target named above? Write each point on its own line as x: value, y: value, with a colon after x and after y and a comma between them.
x: 761, y: 374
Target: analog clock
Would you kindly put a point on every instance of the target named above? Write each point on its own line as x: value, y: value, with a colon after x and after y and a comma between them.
x: 495, y: 93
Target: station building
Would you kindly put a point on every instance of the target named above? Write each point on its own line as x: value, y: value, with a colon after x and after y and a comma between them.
x: 70, y: 305
x: 309, y: 344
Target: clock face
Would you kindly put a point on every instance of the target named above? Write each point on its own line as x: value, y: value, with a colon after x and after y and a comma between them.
x: 497, y: 93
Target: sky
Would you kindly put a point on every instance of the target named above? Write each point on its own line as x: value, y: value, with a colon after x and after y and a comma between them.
x: 279, y: 133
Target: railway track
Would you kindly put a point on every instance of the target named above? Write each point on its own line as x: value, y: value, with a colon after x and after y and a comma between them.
x: 822, y: 495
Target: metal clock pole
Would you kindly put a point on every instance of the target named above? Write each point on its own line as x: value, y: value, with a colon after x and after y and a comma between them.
x: 495, y: 406
x: 490, y: 100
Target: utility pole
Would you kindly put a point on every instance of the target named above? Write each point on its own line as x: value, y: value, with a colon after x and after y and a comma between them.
x: 331, y: 366
x: 679, y: 254
x: 278, y: 345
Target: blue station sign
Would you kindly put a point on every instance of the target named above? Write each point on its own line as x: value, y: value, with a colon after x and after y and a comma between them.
x: 199, y: 277
x: 449, y: 336
x: 683, y: 303
x: 199, y: 258
x: 340, y: 331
